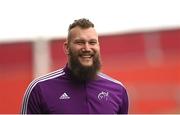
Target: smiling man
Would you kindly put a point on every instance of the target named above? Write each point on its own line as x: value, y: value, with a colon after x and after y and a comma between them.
x: 79, y: 87
x: 82, y: 48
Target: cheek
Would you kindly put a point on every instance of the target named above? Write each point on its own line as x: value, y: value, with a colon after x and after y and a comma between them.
x: 97, y: 50
x: 73, y: 52
x: 75, y: 48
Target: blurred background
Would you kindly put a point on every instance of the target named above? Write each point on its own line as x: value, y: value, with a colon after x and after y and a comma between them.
x: 140, y: 46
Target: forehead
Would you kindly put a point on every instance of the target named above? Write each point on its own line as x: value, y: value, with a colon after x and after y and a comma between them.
x: 81, y: 33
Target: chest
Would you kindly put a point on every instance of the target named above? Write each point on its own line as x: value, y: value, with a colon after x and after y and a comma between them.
x: 87, y: 98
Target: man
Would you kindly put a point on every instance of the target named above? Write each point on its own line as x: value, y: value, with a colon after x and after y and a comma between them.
x: 79, y: 87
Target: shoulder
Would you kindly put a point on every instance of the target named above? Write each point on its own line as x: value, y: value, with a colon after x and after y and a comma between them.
x: 110, y: 79
x: 45, y: 78
x: 32, y: 94
x: 115, y: 86
x: 49, y: 76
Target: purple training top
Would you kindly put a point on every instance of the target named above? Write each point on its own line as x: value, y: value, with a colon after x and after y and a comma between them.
x: 55, y: 93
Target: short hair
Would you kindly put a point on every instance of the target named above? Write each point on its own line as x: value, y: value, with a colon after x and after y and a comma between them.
x: 82, y: 23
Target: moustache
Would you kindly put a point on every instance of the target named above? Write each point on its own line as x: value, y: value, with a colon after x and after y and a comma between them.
x: 86, y: 53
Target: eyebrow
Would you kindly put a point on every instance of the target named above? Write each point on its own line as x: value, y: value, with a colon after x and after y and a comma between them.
x: 91, y: 39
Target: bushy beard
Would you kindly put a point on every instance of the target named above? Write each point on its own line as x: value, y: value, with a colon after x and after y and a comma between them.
x: 81, y: 73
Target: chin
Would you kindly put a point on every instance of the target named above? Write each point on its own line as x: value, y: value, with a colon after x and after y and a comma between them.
x: 86, y: 65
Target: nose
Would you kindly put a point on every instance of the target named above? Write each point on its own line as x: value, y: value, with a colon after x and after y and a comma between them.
x: 86, y: 47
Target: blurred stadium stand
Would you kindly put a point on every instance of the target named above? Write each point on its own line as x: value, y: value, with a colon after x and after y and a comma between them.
x: 147, y: 63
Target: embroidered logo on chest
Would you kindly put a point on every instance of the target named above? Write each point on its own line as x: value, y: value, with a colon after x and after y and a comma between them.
x: 103, y: 96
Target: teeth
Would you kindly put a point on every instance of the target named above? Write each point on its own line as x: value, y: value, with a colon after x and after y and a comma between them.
x: 86, y: 56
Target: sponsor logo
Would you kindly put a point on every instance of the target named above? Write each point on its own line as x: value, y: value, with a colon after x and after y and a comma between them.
x: 64, y: 96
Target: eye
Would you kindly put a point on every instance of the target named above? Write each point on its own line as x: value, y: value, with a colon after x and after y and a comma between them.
x: 93, y: 42
x: 79, y: 42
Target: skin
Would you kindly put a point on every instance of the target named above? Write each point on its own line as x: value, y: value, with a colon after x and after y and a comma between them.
x: 84, y: 43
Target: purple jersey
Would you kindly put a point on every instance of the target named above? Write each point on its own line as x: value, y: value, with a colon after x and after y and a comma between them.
x: 56, y: 93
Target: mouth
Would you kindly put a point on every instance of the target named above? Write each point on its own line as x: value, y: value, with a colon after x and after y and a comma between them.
x: 86, y: 56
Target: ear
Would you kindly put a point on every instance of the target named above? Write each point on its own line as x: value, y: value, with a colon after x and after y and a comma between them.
x: 66, y: 48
